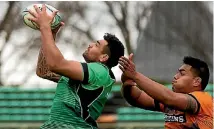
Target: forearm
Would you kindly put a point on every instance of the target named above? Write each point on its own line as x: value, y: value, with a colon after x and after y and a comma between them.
x: 155, y: 90
x: 52, y: 54
x: 42, y: 67
x: 130, y: 95
x: 138, y: 98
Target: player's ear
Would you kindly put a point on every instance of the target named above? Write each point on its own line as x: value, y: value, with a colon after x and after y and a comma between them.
x: 197, y: 81
x: 104, y: 57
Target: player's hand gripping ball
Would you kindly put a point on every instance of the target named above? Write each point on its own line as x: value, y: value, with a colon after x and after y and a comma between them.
x: 25, y: 13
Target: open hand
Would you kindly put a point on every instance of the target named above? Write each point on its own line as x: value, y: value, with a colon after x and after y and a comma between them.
x: 41, y: 17
x: 127, y: 66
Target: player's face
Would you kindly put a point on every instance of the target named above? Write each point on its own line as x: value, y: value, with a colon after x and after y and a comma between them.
x: 183, y: 79
x: 95, y: 51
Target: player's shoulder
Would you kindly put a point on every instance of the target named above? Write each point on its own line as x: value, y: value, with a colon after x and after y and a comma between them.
x: 101, y: 70
x: 100, y: 74
x: 203, y: 97
x: 201, y: 94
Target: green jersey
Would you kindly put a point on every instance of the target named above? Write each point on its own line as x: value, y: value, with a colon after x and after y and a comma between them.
x: 77, y: 104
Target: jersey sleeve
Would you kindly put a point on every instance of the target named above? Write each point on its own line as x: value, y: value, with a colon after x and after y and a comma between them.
x: 204, y: 100
x: 205, y: 109
x: 95, y: 76
x: 196, y: 99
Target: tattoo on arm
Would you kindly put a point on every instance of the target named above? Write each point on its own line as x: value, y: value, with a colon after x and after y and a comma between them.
x: 42, y: 67
x: 43, y: 70
x: 192, y: 105
x: 52, y: 76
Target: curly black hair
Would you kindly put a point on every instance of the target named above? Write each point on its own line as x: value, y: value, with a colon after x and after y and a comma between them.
x: 200, y: 69
x: 116, y: 49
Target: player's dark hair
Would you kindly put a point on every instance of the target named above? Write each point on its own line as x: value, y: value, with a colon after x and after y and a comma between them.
x: 200, y: 69
x: 116, y: 49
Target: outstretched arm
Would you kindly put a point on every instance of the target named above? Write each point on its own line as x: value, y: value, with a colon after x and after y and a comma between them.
x: 158, y: 91
x: 54, y: 58
x: 42, y: 68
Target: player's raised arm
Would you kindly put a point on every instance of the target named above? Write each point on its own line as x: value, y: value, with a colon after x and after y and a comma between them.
x: 42, y: 69
x: 54, y: 58
x: 179, y: 101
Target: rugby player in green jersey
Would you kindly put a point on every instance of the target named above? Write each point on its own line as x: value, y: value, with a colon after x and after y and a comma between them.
x: 82, y: 88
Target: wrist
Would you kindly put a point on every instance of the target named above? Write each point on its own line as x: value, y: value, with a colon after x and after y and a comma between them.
x: 135, y: 76
x: 54, y: 35
x: 44, y: 27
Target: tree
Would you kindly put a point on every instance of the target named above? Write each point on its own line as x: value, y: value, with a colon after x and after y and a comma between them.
x: 130, y: 18
x: 18, y: 45
x: 84, y: 22
x: 7, y: 25
x: 126, y: 17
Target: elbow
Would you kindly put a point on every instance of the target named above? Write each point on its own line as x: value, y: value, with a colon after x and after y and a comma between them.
x: 38, y: 73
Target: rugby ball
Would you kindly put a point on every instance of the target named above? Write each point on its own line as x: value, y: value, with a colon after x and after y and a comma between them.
x: 25, y: 14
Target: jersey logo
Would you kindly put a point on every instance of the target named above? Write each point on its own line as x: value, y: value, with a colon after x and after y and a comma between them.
x: 175, y: 118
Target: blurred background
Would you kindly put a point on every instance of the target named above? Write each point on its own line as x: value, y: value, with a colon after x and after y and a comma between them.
x: 159, y: 34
